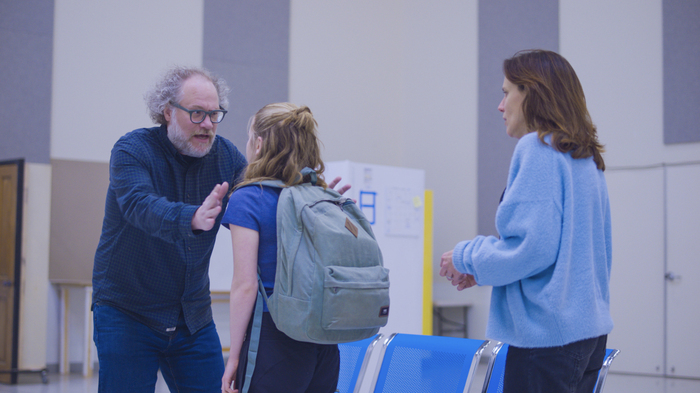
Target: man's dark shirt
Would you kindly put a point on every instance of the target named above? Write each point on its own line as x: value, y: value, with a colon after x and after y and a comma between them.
x: 149, y: 263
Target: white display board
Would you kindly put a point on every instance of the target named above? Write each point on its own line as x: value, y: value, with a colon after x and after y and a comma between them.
x: 392, y: 198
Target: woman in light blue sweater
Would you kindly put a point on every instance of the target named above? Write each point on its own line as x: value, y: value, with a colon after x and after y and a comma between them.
x: 550, y: 267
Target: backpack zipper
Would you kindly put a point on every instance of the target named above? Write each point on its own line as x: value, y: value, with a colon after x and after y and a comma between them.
x: 339, y: 203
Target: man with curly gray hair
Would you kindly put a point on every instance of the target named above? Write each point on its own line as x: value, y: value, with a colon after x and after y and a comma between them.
x: 168, y: 186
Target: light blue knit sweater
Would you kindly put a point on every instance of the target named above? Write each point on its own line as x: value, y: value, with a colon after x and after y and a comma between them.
x: 550, y: 269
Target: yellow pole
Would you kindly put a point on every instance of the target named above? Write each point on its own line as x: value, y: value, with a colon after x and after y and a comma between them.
x: 428, y: 264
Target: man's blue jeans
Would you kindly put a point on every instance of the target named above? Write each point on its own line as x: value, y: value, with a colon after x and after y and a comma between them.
x: 570, y: 368
x: 130, y: 354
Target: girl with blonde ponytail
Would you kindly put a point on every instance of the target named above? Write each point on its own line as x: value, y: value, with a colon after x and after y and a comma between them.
x: 282, y: 140
x: 283, y: 136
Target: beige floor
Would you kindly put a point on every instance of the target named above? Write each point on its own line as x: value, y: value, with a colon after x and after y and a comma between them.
x: 616, y: 383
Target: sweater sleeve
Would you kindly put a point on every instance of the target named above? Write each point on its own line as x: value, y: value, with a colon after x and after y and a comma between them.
x: 528, y: 220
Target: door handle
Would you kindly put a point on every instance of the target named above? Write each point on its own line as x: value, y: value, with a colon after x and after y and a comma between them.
x: 671, y: 276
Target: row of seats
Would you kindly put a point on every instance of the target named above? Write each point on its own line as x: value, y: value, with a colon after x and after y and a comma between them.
x: 428, y: 364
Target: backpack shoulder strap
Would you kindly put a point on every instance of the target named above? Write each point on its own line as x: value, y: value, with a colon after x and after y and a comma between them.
x: 254, y: 335
x: 269, y: 183
x: 312, y: 174
x: 280, y: 184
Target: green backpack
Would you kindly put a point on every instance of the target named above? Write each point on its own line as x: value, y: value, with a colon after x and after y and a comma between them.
x: 331, y: 286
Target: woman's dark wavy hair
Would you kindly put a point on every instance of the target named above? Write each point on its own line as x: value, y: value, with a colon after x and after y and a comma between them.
x: 289, y: 144
x: 554, y: 103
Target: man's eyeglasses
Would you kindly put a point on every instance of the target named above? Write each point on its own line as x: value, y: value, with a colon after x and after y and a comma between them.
x: 197, y: 115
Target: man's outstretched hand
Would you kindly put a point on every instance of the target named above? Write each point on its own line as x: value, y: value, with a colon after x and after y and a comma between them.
x: 205, y: 216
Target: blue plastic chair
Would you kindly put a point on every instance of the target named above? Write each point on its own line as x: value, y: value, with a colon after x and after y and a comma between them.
x: 493, y: 382
x: 354, y: 357
x: 610, y: 355
x: 427, y: 364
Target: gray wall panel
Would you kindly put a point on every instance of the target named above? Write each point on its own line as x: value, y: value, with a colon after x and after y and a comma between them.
x: 505, y: 27
x: 26, y: 51
x: 247, y: 43
x: 681, y: 71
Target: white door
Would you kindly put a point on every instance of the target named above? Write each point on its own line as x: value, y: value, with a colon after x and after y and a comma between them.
x: 683, y: 271
x: 637, y: 278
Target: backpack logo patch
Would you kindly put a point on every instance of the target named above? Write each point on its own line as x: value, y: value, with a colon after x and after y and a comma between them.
x: 384, y: 311
x: 351, y: 227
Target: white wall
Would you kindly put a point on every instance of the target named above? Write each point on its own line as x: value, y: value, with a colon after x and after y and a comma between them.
x: 616, y: 49
x: 395, y: 83
x: 106, y: 54
x: 345, y: 64
x: 440, y: 116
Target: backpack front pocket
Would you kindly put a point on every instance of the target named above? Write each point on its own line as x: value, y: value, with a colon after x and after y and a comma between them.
x: 355, y: 297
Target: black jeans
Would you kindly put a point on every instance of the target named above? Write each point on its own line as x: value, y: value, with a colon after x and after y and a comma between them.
x: 287, y: 365
x: 570, y: 368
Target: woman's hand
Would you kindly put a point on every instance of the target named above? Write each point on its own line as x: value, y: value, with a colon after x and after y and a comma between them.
x: 447, y: 269
x: 335, y: 182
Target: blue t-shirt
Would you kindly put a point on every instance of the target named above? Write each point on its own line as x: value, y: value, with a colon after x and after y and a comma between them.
x: 255, y: 208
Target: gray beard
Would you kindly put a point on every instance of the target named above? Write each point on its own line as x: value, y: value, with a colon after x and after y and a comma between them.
x: 181, y: 142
